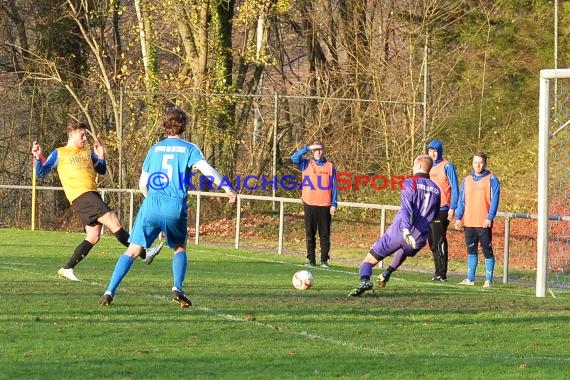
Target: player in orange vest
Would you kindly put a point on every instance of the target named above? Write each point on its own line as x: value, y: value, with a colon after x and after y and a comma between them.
x: 476, y: 209
x: 319, y: 195
x: 444, y: 175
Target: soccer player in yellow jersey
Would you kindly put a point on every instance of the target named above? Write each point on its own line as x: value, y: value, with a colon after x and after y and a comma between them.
x: 77, y: 166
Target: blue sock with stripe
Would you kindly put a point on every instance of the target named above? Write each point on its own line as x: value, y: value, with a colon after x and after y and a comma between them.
x: 179, y: 263
x: 489, y: 269
x: 471, y: 266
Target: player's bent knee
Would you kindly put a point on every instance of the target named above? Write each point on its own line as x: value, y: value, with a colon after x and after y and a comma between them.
x: 93, y: 239
x: 372, y: 257
x: 413, y: 253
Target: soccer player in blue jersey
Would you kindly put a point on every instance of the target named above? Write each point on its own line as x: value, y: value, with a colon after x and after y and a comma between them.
x: 408, y: 233
x: 78, y: 165
x: 164, y: 181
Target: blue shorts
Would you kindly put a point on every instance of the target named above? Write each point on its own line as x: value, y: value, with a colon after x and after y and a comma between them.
x: 159, y: 213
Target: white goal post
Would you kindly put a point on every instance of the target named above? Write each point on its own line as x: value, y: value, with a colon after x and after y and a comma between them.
x: 544, y: 117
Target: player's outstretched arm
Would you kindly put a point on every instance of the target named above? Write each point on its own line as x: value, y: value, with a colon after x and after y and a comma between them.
x: 207, y: 170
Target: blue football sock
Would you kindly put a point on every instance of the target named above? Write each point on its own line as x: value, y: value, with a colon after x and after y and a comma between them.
x: 365, y: 271
x: 489, y: 269
x: 471, y: 266
x: 179, y: 269
x: 122, y: 267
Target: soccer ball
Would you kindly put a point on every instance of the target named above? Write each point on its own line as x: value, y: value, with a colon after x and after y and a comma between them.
x: 303, y: 279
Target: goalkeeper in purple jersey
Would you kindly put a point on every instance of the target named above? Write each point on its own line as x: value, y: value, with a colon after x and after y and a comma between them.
x: 409, y: 231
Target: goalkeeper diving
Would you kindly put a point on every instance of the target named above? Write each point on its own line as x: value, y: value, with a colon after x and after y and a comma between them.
x: 409, y: 231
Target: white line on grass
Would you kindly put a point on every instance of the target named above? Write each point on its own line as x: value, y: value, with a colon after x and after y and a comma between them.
x: 355, y: 273
x: 233, y: 318
x: 16, y: 269
x: 350, y: 345
x: 324, y: 270
x: 285, y: 330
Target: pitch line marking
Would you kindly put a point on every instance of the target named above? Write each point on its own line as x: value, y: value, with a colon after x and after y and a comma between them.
x: 355, y: 273
x: 316, y: 337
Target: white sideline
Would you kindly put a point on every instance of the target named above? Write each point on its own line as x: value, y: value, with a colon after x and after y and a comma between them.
x: 306, y: 334
x: 281, y: 330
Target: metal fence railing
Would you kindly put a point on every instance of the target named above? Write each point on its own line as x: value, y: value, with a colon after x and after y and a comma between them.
x: 282, y: 202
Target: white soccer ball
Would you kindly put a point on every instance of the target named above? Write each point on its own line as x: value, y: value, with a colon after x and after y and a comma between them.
x: 303, y: 279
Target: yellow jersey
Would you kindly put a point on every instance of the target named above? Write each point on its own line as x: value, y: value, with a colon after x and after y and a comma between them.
x: 77, y: 169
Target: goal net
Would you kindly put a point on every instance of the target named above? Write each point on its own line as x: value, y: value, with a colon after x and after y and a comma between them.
x: 553, y: 237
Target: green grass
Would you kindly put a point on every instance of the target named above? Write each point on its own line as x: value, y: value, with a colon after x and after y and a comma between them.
x: 249, y: 323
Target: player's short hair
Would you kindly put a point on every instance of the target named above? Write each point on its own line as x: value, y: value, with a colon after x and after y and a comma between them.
x: 425, y: 161
x: 73, y: 125
x: 174, y: 121
x: 481, y: 154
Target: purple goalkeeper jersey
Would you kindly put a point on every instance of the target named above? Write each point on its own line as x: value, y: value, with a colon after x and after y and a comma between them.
x: 419, y: 206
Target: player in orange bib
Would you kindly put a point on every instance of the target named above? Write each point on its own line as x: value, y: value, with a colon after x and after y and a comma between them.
x: 319, y: 195
x: 78, y: 166
x: 444, y: 175
x: 476, y: 209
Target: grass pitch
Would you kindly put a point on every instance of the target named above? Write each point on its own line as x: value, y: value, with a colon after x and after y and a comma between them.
x: 248, y: 322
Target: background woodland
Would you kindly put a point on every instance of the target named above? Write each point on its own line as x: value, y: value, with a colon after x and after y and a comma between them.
x: 355, y: 74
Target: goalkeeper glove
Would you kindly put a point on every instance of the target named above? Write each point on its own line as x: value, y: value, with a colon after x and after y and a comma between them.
x: 408, y: 238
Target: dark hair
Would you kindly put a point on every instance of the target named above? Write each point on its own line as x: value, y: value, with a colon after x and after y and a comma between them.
x: 174, y: 121
x: 73, y: 125
x: 481, y: 154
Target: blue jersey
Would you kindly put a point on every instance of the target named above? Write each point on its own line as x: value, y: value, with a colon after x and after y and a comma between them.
x: 169, y: 165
